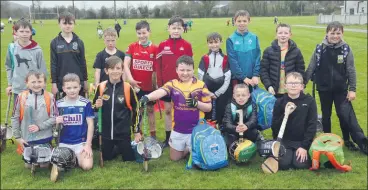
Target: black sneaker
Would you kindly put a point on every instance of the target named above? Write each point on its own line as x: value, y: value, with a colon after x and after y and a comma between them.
x: 364, y: 146
x: 165, y: 144
x: 351, y: 146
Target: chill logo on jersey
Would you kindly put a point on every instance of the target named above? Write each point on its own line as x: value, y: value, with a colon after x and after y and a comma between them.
x: 73, y: 119
x: 142, y: 65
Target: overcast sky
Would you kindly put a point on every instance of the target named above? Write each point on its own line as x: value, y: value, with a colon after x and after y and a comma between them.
x: 93, y: 4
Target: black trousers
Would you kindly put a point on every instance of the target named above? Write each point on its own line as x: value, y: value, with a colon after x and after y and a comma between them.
x: 111, y: 148
x: 118, y: 32
x: 326, y: 100
x: 221, y: 103
x: 288, y: 160
x: 250, y: 134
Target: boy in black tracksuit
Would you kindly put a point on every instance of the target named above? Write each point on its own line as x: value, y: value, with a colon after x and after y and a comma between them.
x: 214, y: 71
x: 281, y: 58
x: 241, y: 100
x: 335, y: 77
x: 301, y: 125
x: 117, y: 117
x: 67, y: 55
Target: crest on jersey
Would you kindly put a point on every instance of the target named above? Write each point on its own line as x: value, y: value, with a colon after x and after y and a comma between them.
x: 75, y: 45
x: 80, y: 109
x: 167, y: 48
x: 105, y: 97
x: 121, y: 98
x: 151, y: 56
x: 340, y: 59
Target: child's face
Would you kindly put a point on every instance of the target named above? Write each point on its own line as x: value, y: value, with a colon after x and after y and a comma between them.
x: 185, y: 72
x: 67, y: 27
x: 36, y: 84
x: 283, y: 35
x: 115, y: 73
x: 24, y: 34
x: 214, y: 45
x: 241, y: 23
x: 143, y: 35
x: 175, y: 30
x: 71, y: 89
x: 293, y: 86
x: 241, y: 96
x: 334, y: 36
x: 110, y: 42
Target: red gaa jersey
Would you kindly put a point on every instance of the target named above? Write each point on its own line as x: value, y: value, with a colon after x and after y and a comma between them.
x: 142, y: 63
x: 167, y: 53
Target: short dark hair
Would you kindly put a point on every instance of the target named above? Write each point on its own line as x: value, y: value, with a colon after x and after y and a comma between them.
x: 112, y: 61
x: 142, y: 24
x: 67, y: 16
x: 23, y: 24
x: 214, y: 36
x: 283, y: 25
x: 335, y: 25
x: 37, y: 74
x: 185, y: 59
x: 241, y: 13
x: 176, y: 19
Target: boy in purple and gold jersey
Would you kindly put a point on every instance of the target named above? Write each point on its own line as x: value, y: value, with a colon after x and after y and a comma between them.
x: 190, y: 99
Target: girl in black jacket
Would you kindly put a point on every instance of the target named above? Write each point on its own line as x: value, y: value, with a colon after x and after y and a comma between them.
x: 281, y: 58
x: 241, y: 100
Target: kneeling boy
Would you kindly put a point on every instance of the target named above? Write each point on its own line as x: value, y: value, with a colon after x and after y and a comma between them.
x: 301, y: 126
x: 190, y: 99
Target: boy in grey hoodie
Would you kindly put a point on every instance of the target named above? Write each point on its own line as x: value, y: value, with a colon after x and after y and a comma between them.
x: 333, y: 71
x: 33, y: 117
x: 22, y: 56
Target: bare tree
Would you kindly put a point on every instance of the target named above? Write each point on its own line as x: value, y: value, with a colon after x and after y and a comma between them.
x: 38, y: 5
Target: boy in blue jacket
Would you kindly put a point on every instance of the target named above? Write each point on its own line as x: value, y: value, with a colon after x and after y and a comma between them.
x: 244, y: 52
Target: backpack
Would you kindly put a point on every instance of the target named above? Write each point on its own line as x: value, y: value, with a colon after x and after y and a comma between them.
x: 319, y: 51
x: 213, y: 84
x: 265, y: 102
x: 126, y: 87
x: 23, y: 98
x: 209, y: 151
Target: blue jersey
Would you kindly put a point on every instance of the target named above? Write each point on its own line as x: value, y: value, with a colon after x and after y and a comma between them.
x: 75, y: 126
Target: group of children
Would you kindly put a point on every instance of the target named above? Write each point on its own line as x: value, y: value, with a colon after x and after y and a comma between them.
x: 124, y: 82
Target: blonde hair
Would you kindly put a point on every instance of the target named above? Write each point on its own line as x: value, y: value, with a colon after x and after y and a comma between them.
x: 110, y: 32
x: 71, y: 77
x: 295, y: 75
x: 242, y: 85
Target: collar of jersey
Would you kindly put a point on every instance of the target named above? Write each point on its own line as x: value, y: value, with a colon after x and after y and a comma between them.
x: 194, y: 80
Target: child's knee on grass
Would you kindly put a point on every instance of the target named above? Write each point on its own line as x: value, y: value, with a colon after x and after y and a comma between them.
x: 177, y: 155
x: 28, y: 166
x: 85, y: 163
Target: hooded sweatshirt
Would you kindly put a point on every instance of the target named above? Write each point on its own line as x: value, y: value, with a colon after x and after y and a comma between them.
x: 342, y: 77
x: 35, y: 112
x: 20, y: 60
x: 301, y: 125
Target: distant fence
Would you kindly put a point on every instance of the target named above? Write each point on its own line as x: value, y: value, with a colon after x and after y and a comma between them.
x: 345, y: 19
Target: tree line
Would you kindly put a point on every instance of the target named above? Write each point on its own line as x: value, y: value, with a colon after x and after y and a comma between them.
x: 186, y: 9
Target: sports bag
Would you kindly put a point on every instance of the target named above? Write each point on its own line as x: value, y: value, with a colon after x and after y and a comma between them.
x: 265, y: 102
x: 209, y: 151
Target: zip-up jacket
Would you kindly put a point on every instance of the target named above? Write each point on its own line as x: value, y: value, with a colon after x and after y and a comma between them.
x: 249, y: 116
x: 67, y: 58
x: 332, y: 74
x: 35, y: 112
x: 116, y: 116
x: 301, y: 125
x: 19, y: 61
x: 218, y: 78
x: 167, y: 53
x: 271, y: 63
x: 244, y: 55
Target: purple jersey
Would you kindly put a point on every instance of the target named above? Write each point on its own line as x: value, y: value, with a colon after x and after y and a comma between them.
x: 186, y: 118
x: 75, y: 126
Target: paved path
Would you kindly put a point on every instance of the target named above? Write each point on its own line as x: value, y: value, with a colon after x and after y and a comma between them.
x: 323, y: 27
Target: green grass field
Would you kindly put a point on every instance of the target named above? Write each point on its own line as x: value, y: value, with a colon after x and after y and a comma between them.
x: 165, y: 173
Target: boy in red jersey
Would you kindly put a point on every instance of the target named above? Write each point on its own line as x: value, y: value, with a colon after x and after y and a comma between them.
x: 168, y: 52
x: 139, y: 63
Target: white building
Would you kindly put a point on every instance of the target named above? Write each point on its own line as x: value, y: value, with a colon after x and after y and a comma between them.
x: 354, y: 8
